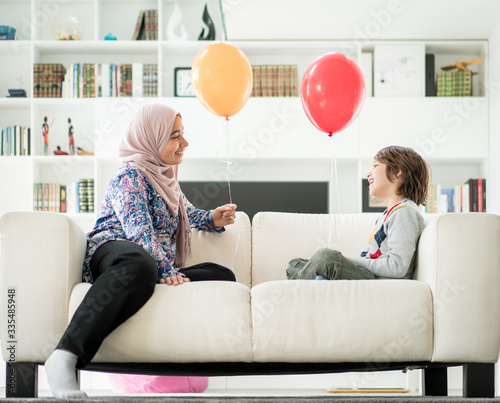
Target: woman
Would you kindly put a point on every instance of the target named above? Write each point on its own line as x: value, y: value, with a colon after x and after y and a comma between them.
x: 141, y: 238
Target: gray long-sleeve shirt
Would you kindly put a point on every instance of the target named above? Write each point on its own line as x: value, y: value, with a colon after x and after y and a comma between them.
x: 393, y: 242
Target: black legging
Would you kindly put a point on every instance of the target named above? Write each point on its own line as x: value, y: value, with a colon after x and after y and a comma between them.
x: 125, y: 276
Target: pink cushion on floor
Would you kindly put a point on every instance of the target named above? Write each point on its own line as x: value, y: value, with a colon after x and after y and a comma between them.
x: 125, y: 383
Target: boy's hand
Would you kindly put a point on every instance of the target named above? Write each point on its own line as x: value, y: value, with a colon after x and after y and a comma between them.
x: 224, y: 215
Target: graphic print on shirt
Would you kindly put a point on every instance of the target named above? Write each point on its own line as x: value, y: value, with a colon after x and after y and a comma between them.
x: 379, y: 233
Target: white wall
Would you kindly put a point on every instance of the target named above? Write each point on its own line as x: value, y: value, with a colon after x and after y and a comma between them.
x: 493, y: 187
x: 360, y: 19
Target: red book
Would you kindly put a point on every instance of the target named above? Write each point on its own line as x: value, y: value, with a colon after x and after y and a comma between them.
x: 480, y: 207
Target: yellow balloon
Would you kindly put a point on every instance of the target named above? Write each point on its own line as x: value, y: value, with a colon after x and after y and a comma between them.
x: 222, y: 78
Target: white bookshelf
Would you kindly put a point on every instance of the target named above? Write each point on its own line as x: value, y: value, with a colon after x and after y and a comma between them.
x: 451, y: 133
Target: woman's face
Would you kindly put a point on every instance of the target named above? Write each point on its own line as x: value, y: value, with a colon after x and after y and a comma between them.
x: 174, y: 150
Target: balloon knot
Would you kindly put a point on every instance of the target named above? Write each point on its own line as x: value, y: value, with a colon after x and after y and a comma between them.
x: 227, y: 118
x: 330, y: 134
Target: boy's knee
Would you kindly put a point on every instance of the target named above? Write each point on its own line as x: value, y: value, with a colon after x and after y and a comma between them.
x: 330, y: 254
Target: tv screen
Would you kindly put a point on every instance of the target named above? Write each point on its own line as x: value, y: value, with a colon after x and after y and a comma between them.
x: 252, y: 197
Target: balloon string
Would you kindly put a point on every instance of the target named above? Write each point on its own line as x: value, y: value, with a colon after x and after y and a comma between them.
x: 333, y: 180
x: 224, y: 126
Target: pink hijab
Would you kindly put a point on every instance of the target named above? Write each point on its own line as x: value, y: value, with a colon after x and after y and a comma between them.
x: 145, y: 139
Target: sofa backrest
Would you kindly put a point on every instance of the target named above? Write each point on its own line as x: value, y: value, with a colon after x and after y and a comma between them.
x: 231, y: 248
x: 279, y: 237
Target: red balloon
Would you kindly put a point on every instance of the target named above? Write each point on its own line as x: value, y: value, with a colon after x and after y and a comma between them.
x: 332, y: 92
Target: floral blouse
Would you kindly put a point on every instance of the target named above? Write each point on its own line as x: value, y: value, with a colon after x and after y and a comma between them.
x: 132, y: 210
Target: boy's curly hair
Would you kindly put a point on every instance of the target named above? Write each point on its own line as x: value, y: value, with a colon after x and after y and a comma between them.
x: 414, y: 171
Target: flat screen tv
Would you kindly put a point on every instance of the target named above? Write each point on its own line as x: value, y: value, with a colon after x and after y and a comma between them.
x: 252, y: 197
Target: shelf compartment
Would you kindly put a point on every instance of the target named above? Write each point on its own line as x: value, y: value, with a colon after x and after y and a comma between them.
x: 62, y: 170
x: 15, y: 112
x: 123, y: 27
x: 58, y: 111
x: 177, y: 17
x: 17, y: 72
x: 49, y: 15
x: 16, y: 182
x: 19, y: 12
x: 448, y: 52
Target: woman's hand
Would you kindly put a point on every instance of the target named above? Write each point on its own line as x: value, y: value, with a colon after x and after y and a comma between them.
x: 175, y: 280
x: 224, y: 215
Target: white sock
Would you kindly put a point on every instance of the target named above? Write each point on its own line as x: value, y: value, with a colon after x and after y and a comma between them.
x: 60, y: 368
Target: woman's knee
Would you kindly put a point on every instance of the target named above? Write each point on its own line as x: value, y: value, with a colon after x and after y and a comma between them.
x: 138, y: 269
x: 225, y: 273
x: 228, y: 275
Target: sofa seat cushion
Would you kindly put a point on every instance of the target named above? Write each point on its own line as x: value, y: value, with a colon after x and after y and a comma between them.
x: 342, y: 321
x: 195, y: 322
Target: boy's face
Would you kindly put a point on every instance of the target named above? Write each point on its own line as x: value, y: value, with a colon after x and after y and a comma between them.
x: 379, y: 184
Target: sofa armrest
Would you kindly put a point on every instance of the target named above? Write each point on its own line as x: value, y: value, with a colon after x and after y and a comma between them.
x: 459, y: 258
x: 41, y: 260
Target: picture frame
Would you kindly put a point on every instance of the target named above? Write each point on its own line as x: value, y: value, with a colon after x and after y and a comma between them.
x: 371, y: 204
x: 182, y: 82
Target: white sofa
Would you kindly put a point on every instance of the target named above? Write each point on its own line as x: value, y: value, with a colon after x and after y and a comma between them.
x: 448, y: 315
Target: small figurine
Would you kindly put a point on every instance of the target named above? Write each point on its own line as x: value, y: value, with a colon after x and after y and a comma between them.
x: 110, y: 37
x: 174, y: 23
x: 71, y: 138
x: 81, y: 151
x: 58, y: 151
x: 45, y: 128
x: 211, y: 29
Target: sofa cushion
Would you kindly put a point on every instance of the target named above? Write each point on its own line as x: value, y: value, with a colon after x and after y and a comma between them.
x: 230, y: 248
x: 279, y: 237
x: 194, y: 322
x: 342, y: 321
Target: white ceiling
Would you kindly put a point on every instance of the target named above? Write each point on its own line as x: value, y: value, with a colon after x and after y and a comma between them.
x: 361, y: 19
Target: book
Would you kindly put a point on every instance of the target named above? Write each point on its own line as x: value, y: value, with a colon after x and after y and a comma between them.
x: 480, y: 195
x: 293, y: 81
x: 137, y: 80
x: 139, y: 27
x: 484, y: 195
x: 90, y: 195
x: 467, y: 197
x: 281, y: 82
x: 62, y: 199
x: 454, y: 84
x: 83, y: 203
x: 286, y: 79
x: 48, y: 80
x: 15, y: 140
x: 270, y: 81
x: 430, y: 85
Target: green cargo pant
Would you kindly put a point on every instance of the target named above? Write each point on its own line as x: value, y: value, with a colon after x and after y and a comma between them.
x: 328, y: 263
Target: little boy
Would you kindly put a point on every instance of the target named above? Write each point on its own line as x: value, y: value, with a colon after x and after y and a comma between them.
x: 400, y: 177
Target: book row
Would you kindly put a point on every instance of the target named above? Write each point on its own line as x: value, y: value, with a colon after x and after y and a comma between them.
x: 274, y: 81
x: 469, y: 197
x: 77, y: 197
x: 15, y: 140
x: 454, y: 84
x: 146, y: 27
x: 84, y: 80
x: 87, y: 80
x: 47, y: 80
